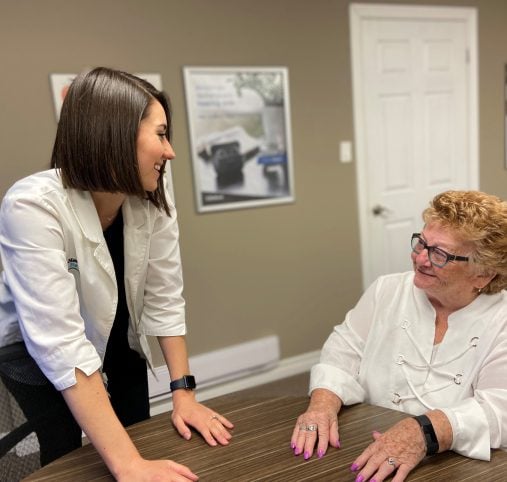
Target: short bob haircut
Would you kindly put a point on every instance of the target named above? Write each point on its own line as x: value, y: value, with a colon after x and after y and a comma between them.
x: 95, y: 144
x: 481, y: 220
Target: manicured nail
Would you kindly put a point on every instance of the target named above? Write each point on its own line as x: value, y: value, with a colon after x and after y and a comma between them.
x: 292, y: 445
x: 359, y: 478
x: 354, y: 467
x: 373, y: 480
x: 320, y: 453
x: 307, y: 455
x: 338, y: 444
x: 297, y: 451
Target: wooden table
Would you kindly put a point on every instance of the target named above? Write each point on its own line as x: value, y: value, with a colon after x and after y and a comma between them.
x: 260, y: 448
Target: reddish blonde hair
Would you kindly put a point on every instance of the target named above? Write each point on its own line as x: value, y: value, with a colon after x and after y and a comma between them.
x: 481, y: 220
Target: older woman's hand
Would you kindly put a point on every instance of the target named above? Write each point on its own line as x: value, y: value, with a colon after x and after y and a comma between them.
x: 318, y: 423
x: 399, y: 449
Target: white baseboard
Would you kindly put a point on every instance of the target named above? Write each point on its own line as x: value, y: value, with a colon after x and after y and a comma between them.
x: 221, y: 365
x: 283, y: 369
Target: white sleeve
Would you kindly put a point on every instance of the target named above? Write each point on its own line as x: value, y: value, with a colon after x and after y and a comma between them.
x: 164, y: 306
x: 342, y: 353
x: 469, y: 429
x: 44, y: 292
x: 480, y: 423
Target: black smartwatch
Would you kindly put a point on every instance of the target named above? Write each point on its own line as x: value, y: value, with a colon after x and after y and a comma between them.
x: 187, y: 382
x: 429, y: 434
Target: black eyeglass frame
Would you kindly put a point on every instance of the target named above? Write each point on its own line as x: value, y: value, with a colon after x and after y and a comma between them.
x: 430, y: 249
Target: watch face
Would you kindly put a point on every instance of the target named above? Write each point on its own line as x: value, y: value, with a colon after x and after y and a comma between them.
x: 189, y: 381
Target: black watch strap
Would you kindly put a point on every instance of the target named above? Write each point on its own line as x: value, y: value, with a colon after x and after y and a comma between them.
x: 187, y: 382
x: 429, y: 434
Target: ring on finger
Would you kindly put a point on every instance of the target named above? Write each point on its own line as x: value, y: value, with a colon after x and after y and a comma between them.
x: 214, y: 417
x: 312, y: 427
x: 391, y: 461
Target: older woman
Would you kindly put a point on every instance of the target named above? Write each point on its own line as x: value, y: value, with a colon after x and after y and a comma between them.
x: 431, y: 343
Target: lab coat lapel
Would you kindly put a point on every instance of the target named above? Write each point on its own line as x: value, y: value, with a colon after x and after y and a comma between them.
x: 136, y: 242
x: 88, y: 219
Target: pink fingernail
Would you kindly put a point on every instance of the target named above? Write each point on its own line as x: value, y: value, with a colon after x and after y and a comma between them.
x: 307, y: 455
x: 297, y: 451
x: 338, y: 444
x: 359, y: 478
x: 354, y: 467
x: 320, y: 453
x: 292, y: 445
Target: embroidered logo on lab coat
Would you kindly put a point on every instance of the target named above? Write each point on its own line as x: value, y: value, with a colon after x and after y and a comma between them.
x: 72, y: 264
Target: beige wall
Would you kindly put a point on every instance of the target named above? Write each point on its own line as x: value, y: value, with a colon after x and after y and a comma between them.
x: 291, y: 270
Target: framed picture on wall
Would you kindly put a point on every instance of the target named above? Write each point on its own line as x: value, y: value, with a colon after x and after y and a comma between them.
x: 239, y: 123
x: 60, y: 84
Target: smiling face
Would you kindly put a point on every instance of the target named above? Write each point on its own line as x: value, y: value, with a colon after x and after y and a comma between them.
x: 153, y: 148
x: 457, y: 283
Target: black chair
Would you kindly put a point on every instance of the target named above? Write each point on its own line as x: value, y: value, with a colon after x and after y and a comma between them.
x: 19, y: 446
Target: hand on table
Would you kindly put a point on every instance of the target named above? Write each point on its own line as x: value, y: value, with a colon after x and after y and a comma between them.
x: 318, y: 425
x: 142, y: 470
x: 398, y: 449
x: 187, y: 412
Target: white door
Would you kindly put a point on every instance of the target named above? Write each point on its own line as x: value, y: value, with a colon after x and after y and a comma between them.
x: 415, y: 111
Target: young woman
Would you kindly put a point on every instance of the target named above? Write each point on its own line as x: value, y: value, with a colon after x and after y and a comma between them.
x: 91, y: 268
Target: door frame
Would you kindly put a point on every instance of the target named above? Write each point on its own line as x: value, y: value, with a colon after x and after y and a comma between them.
x: 358, y: 13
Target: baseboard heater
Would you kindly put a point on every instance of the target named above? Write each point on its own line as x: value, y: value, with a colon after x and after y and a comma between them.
x: 221, y: 365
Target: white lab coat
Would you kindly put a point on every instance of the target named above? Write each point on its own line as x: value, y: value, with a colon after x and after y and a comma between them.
x: 59, y: 276
x: 383, y: 354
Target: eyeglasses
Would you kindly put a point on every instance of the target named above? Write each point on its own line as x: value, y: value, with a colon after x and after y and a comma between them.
x: 437, y: 256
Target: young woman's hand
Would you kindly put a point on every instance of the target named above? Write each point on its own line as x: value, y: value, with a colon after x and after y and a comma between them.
x: 187, y: 412
x: 142, y: 470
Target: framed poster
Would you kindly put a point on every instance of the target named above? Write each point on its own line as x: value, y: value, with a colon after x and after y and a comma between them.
x: 60, y: 84
x: 239, y: 123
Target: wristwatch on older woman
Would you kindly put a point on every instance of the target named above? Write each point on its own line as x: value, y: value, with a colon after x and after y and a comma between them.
x: 429, y: 434
x: 187, y: 382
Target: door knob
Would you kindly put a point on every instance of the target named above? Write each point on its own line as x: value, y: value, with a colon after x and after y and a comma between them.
x: 379, y: 210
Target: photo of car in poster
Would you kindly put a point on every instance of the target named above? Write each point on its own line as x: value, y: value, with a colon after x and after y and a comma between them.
x: 239, y: 124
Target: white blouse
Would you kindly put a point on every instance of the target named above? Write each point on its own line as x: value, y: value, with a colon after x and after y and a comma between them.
x: 383, y: 354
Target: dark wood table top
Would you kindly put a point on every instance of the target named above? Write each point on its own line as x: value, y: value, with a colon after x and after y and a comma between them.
x: 260, y: 448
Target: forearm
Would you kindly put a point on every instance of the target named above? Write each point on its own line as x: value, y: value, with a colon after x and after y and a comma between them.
x: 443, y: 429
x: 321, y: 397
x: 174, y: 349
x: 90, y: 405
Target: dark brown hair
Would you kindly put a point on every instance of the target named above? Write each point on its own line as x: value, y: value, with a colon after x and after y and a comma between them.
x: 95, y: 144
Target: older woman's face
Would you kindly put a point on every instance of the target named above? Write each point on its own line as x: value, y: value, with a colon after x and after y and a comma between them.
x: 456, y: 279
